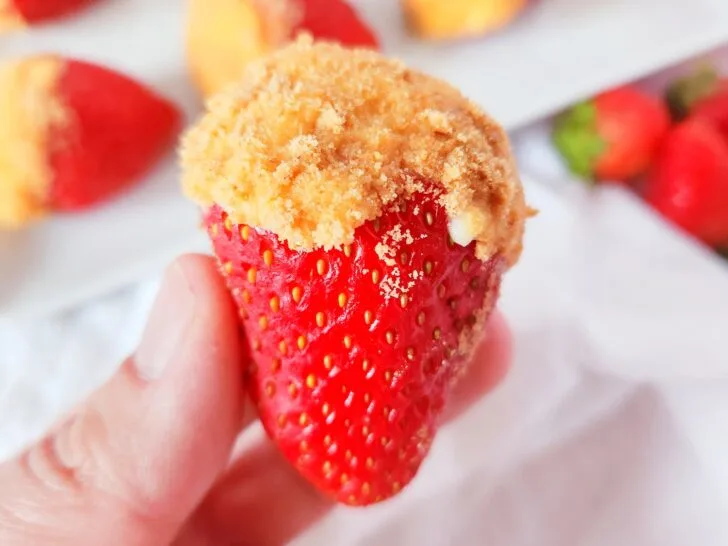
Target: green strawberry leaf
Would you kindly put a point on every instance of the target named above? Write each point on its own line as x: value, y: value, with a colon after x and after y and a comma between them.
x: 576, y: 138
x: 685, y: 92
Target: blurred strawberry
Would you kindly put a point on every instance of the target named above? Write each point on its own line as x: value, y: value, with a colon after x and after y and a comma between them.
x: 355, y: 349
x: 217, y: 54
x: 17, y: 13
x: 335, y: 20
x: 76, y: 134
x: 612, y: 137
x: 689, y: 181
x: 701, y: 95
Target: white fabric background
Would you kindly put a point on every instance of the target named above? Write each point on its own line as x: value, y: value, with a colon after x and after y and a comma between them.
x: 611, y: 430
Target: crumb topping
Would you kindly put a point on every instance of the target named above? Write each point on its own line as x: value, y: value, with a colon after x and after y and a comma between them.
x: 10, y: 18
x: 29, y: 108
x: 316, y: 140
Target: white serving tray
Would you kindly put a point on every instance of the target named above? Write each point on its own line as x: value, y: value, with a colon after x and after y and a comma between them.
x: 559, y: 51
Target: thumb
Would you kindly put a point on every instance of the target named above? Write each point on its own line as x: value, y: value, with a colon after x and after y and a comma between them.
x: 134, y: 460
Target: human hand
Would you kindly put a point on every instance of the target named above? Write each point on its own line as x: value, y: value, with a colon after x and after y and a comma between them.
x: 151, y: 457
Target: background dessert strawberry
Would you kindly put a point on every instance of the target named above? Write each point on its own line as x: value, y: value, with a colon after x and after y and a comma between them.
x: 74, y: 134
x: 333, y: 200
x: 19, y: 13
x: 445, y: 19
x: 224, y: 35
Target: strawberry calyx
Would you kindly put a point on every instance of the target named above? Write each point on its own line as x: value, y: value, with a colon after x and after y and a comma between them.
x: 577, y: 139
x: 684, y: 93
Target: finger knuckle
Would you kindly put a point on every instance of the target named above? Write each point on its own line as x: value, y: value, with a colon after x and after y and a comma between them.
x: 64, y: 459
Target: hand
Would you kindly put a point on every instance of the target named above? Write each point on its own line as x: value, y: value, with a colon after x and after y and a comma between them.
x: 150, y: 458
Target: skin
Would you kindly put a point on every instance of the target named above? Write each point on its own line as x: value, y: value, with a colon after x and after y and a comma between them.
x: 153, y: 456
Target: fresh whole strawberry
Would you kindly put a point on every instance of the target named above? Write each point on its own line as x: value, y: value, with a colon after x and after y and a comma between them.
x: 353, y: 358
x: 30, y: 12
x: 702, y: 95
x: 612, y: 137
x: 77, y: 134
x: 689, y: 181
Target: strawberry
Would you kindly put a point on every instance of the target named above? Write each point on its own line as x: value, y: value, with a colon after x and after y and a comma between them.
x: 701, y: 95
x: 121, y: 129
x: 612, y: 137
x: 77, y: 135
x: 456, y: 19
x: 353, y: 359
x: 30, y: 12
x: 335, y: 20
x: 689, y: 181
x: 217, y: 55
x: 363, y: 215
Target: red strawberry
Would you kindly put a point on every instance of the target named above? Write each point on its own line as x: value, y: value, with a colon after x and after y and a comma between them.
x: 689, y: 181
x: 612, y: 137
x: 30, y: 12
x: 335, y: 20
x: 330, y: 194
x: 701, y: 95
x: 34, y: 11
x: 353, y: 359
x: 120, y: 129
x: 218, y: 56
x: 77, y: 135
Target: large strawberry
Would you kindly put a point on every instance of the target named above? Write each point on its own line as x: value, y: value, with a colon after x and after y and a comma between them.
x: 355, y: 356
x: 363, y: 216
x: 18, y: 13
x: 612, y: 137
x: 75, y: 135
x: 689, y: 181
x: 224, y: 35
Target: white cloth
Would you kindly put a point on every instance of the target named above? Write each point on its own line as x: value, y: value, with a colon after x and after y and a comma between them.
x: 612, y: 428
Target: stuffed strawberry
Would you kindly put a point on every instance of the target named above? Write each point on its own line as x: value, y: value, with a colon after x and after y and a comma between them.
x: 363, y: 215
x: 73, y: 135
x: 20, y: 13
x: 612, y: 137
x: 224, y: 35
x: 689, y: 181
x: 455, y: 19
x: 701, y: 95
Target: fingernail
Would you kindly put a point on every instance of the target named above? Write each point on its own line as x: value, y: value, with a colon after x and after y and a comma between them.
x: 171, y: 316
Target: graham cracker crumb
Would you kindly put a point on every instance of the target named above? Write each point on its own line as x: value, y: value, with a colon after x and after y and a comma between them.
x: 29, y: 108
x: 317, y: 139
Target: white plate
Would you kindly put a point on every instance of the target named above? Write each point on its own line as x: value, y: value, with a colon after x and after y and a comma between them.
x: 557, y: 52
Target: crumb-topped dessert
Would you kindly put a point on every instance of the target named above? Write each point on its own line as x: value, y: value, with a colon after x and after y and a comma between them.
x: 318, y: 140
x: 452, y: 19
x: 31, y: 111
x: 15, y: 14
x: 73, y: 135
x: 224, y: 35
x: 10, y: 18
x: 363, y: 215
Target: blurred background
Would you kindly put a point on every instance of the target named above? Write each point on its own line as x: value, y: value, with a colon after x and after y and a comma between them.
x: 613, y: 424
